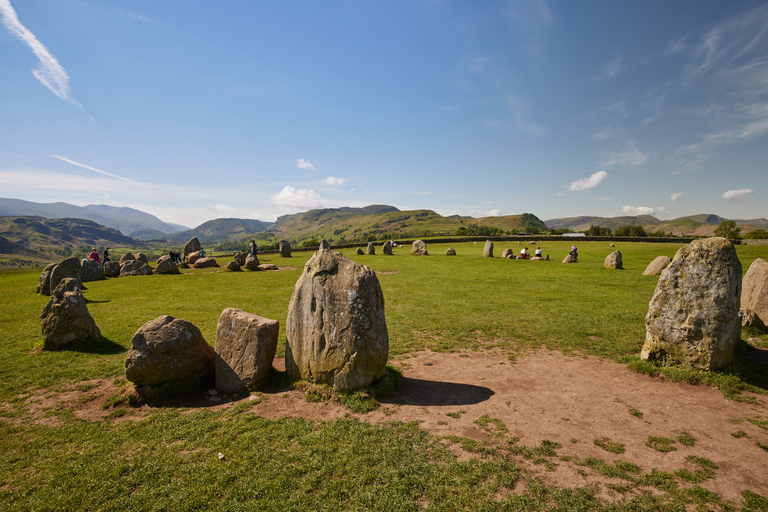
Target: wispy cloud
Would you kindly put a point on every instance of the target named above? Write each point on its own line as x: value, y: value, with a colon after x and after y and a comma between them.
x: 105, y: 173
x: 676, y: 196
x: 738, y: 194
x: 518, y: 108
x: 629, y: 157
x: 48, y: 72
x: 297, y: 198
x: 612, y: 70
x: 586, y: 183
x: 331, y: 180
x: 304, y: 164
x: 676, y: 46
x: 637, y: 210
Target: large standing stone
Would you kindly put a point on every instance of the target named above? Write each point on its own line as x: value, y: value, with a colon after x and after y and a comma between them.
x: 166, y: 266
x: 245, y: 348
x: 66, y: 318
x: 252, y: 262
x: 192, y: 246
x: 135, y: 268
x: 285, y: 248
x: 206, y: 262
x: 167, y: 349
x: 44, y: 283
x: 754, y: 294
x: 91, y: 271
x: 387, y: 248
x: 69, y: 267
x: 488, y: 249
x: 693, y: 317
x: 419, y: 248
x: 613, y: 261
x: 371, y: 249
x: 506, y: 253
x: 655, y: 267
x: 112, y: 269
x: 240, y: 258
x: 140, y: 256
x: 127, y: 257
x: 336, y: 331
x: 450, y: 251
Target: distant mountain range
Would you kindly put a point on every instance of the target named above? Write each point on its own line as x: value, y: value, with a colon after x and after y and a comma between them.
x: 693, y: 225
x: 126, y: 220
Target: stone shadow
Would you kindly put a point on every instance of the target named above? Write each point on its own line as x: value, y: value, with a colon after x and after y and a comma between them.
x: 101, y: 346
x: 429, y: 392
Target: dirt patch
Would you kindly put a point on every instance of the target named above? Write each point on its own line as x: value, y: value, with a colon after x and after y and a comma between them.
x: 386, y: 273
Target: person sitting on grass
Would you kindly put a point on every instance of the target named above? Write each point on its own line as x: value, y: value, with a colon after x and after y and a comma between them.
x: 524, y: 254
x: 538, y: 252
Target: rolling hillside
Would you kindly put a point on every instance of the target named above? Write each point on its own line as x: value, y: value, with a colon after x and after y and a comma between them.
x: 218, y: 230
x: 693, y: 225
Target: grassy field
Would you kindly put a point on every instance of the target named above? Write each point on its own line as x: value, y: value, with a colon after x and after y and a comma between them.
x: 462, y: 303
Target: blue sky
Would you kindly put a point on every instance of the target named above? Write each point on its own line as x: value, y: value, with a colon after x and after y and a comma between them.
x: 195, y: 110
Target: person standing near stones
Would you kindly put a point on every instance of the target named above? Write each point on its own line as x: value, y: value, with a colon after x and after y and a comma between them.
x: 254, y: 248
x: 106, y: 255
x: 202, y: 252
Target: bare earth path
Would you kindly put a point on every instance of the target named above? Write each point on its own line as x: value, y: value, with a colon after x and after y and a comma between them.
x: 547, y: 395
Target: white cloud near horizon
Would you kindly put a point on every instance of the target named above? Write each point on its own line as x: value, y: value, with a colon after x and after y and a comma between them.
x: 105, y: 173
x: 480, y: 214
x: 676, y: 196
x: 586, y: 183
x: 49, y: 72
x: 738, y: 194
x: 637, y: 210
x: 304, y: 164
x: 291, y: 197
x: 332, y: 180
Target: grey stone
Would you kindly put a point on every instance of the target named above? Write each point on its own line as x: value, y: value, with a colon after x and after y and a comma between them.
x: 754, y: 292
x: 252, y: 262
x: 69, y: 267
x: 387, y: 248
x: 66, y: 318
x: 233, y: 266
x: 192, y: 257
x: 693, y: 317
x: 163, y: 258
x: 655, y: 267
x: 323, y: 245
x: 450, y: 251
x: 268, y: 266
x: 112, y: 269
x: 140, y: 256
x: 419, y: 248
x: 167, y: 349
x: 613, y: 261
x: 126, y: 257
x: 91, y: 271
x: 245, y: 348
x: 285, y: 248
x: 206, y: 262
x: 192, y: 246
x: 569, y: 259
x: 167, y: 267
x: 135, y: 268
x: 488, y: 249
x: 371, y: 249
x: 506, y: 253
x: 360, y: 251
x: 336, y: 330
x: 44, y: 282
x: 240, y: 258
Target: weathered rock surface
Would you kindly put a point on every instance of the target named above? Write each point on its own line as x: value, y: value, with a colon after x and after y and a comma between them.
x: 192, y: 246
x: 252, y: 262
x: 613, y: 261
x: 537, y: 258
x: 506, y: 253
x: 126, y: 257
x: 167, y: 349
x: 285, y: 248
x: 163, y: 258
x: 135, y: 268
x: 360, y: 251
x: 233, y: 266
x: 754, y: 294
x: 569, y: 259
x: 206, y: 262
x: 450, y: 251
x: 245, y: 348
x: 44, y: 282
x: 268, y: 266
x: 167, y: 267
x: 336, y: 330
x: 371, y: 249
x: 112, y: 269
x: 240, y: 258
x: 66, y: 318
x: 69, y: 267
x: 323, y: 244
x: 488, y: 249
x: 193, y: 257
x: 140, y: 256
x: 655, y: 267
x: 91, y: 271
x: 419, y: 248
x: 387, y: 248
x: 693, y: 317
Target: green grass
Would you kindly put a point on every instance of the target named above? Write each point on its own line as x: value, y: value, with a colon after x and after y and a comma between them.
x: 169, y: 459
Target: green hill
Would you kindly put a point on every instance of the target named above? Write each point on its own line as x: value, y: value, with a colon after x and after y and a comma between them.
x: 219, y: 230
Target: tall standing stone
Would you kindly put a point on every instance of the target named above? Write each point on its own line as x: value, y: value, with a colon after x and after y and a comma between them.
x: 754, y: 294
x: 66, y: 318
x: 613, y: 261
x: 693, y: 317
x: 285, y: 248
x: 371, y: 249
x: 44, y: 282
x: 419, y: 248
x: 245, y: 348
x: 69, y: 267
x: 387, y: 248
x: 336, y: 331
x: 192, y: 246
x: 655, y: 267
x: 488, y: 249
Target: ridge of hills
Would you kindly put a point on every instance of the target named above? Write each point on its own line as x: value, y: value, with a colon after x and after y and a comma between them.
x: 703, y: 224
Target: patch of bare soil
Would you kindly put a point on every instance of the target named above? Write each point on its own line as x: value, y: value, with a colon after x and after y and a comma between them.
x: 543, y: 395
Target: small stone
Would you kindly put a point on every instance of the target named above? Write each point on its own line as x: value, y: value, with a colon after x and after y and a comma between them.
x: 220, y: 456
x: 213, y: 392
x: 214, y: 399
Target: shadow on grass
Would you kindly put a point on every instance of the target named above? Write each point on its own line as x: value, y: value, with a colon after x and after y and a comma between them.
x: 101, y: 346
x: 88, y: 301
x: 428, y: 392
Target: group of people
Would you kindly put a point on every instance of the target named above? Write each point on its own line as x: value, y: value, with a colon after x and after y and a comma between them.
x: 525, y: 255
x: 94, y: 255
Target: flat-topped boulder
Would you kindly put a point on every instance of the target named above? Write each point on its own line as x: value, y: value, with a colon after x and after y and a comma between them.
x: 252, y: 262
x: 168, y: 349
x: 419, y: 248
x: 693, y: 317
x: 336, y: 330
x: 655, y: 267
x: 166, y: 266
x: 245, y: 348
x: 267, y: 266
x: 65, y: 318
x: 613, y: 261
x: 206, y: 262
x: 135, y: 268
